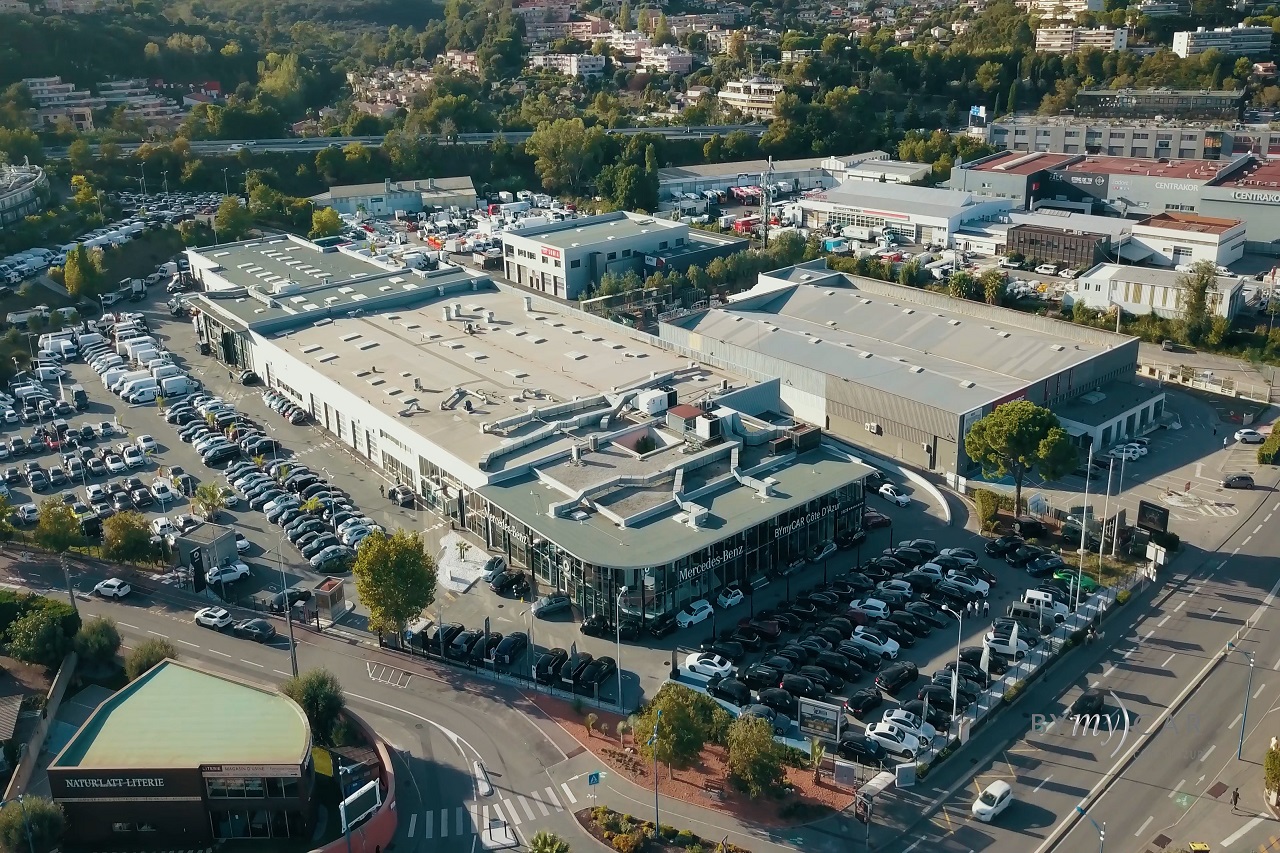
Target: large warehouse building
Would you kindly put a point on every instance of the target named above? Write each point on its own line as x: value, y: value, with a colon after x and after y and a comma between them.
x: 914, y: 214
x: 901, y: 370
x: 585, y: 451
x: 181, y: 758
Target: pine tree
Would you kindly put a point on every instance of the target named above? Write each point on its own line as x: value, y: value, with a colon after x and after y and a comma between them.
x: 1011, y: 104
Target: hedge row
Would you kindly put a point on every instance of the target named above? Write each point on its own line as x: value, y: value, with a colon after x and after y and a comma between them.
x: 14, y: 605
x: 1269, y: 449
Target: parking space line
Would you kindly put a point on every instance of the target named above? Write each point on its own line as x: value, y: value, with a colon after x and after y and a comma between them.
x: 1169, y: 658
x: 1165, y: 619
x: 1043, y: 782
x: 1179, y: 607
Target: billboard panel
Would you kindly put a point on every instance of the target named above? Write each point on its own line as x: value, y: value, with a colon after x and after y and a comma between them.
x: 820, y: 719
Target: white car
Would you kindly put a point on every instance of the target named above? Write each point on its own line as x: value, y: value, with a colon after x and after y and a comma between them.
x: 886, y: 647
x: 112, y: 588
x: 969, y: 582
x: 909, y: 722
x: 933, y: 570
x: 891, y: 493
x: 1000, y: 644
x: 27, y: 513
x: 1250, y: 436
x: 115, y: 464
x: 354, y: 533
x: 730, y: 596
x: 1141, y: 449
x: 162, y: 491
x: 1128, y: 453
x: 163, y: 527
x: 994, y: 799
x: 873, y: 607
x: 230, y: 499
x: 227, y: 574
x: 694, y: 612
x: 242, y: 544
x: 709, y: 665
x: 895, y: 739
x: 216, y: 618
x: 896, y: 585
x: 146, y: 444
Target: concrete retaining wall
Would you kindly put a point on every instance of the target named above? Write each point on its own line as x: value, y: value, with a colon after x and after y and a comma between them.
x: 27, y: 764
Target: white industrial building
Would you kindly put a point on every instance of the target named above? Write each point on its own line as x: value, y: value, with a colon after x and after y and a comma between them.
x: 1068, y: 39
x: 1176, y: 239
x: 914, y: 214
x: 384, y: 199
x: 1146, y: 290
x: 1233, y: 41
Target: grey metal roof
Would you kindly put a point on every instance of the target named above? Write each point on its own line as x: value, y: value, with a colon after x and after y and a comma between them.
x: 597, y: 229
x: 920, y: 201
x: 1227, y: 284
x: 1117, y: 398
x: 947, y: 358
x: 730, y: 170
x: 422, y: 185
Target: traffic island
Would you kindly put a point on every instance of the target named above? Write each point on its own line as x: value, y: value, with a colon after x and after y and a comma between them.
x: 625, y: 834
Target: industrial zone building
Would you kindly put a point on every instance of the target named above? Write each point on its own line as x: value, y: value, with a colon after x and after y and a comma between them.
x: 570, y: 443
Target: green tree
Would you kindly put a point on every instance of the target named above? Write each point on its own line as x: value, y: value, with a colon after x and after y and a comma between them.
x: 680, y: 733
x: 624, y: 16
x: 961, y: 285
x: 395, y: 578
x: 565, y: 151
x: 57, y: 527
x: 98, y: 641
x: 126, y: 537
x: 325, y: 222
x: 80, y: 154
x: 1197, y: 290
x: 319, y: 694
x: 232, y: 221
x: 993, y: 282
x: 755, y: 758
x: 147, y: 654
x: 39, y: 637
x: 79, y: 274
x: 1019, y: 438
x: 208, y: 500
x: 547, y: 842
x: 1011, y: 102
x: 34, y: 825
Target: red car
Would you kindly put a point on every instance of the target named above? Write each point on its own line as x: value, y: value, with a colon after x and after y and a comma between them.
x: 872, y: 519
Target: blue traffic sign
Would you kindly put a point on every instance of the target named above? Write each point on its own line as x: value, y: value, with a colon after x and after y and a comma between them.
x: 593, y: 778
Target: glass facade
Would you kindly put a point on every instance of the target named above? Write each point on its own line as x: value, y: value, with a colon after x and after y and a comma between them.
x: 764, y: 550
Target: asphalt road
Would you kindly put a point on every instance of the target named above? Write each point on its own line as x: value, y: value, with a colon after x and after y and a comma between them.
x: 222, y: 146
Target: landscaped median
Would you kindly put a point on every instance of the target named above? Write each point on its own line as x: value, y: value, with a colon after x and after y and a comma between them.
x: 626, y: 834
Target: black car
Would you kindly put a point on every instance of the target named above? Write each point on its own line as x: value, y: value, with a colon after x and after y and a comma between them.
x: 881, y: 568
x: 781, y: 663
x: 759, y: 677
x: 920, y: 581
x: 1003, y: 546
x: 282, y: 601
x: 862, y: 702
x: 766, y: 628
x: 928, y: 614
x: 967, y: 689
x: 1090, y: 701
x: 1045, y: 566
x: 830, y: 635
x: 730, y: 690
x: 896, y: 676
x: 858, y: 748
x: 863, y: 657
x: 1004, y: 628
x: 576, y: 668
x: 315, y: 546
x: 481, y: 651
x: 971, y: 672
x: 798, y: 655
x: 802, y: 609
x: 925, y: 546
x: 910, y: 622
x: 511, y: 647
x: 939, y: 718
x: 937, y: 694
x: 894, y: 631
x: 724, y: 648
x: 954, y: 590
x: 909, y: 557
x: 819, y: 675
x: 661, y: 626
x: 769, y: 715
x: 997, y: 664
x: 841, y: 624
x: 596, y: 626
x: 845, y: 541
x: 854, y: 584
x: 1023, y: 555
x: 779, y: 700
x: 259, y: 630
x: 597, y: 672
x: 836, y: 663
x: 748, y: 638
x: 460, y: 648
x: 630, y: 629
x: 547, y: 669
x: 443, y: 636
x: 787, y: 620
x: 943, y: 598
x: 825, y: 601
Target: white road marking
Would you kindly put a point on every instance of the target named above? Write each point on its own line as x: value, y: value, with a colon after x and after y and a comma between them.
x: 1276, y: 507
x: 1108, y: 670
x: 428, y: 821
x: 216, y: 652
x: 1256, y: 529
x: 554, y: 800
x: 1169, y: 658
x: 1131, y: 651
x: 542, y: 807
x: 444, y: 823
x: 1215, y: 613
x: 484, y: 816
x: 127, y: 625
x: 497, y: 810
x: 1144, y: 826
x: 1234, y: 722
x: 1160, y: 624
x: 1268, y: 518
x: 475, y: 818
x: 1208, y: 752
x: 1247, y: 539
x: 281, y: 672
x: 1177, y: 788
x: 914, y: 845
x: 1242, y: 831
x: 511, y: 813
x: 189, y: 643
x: 568, y: 794
x: 157, y: 633
x: 252, y: 663
x: 1147, y: 636
x: 1179, y: 607
x: 1259, y: 690
x: 460, y: 821
x: 1043, y: 782
x: 413, y: 822
x: 524, y: 804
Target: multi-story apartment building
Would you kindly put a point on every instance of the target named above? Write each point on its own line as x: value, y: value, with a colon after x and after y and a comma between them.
x: 629, y: 43
x: 462, y: 60
x: 1062, y: 9
x: 701, y: 23
x: 569, y: 64
x: 56, y: 100
x: 12, y: 6
x: 1068, y: 39
x: 753, y: 97
x: 120, y: 91
x: 543, y: 13
x: 666, y: 60
x: 1233, y: 41
x: 23, y: 191
x: 1163, y: 8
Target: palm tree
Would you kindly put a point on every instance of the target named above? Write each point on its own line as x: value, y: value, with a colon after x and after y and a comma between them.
x: 208, y: 500
x: 260, y: 460
x: 211, y: 419
x: 547, y: 842
x: 817, y: 752
x: 312, y: 506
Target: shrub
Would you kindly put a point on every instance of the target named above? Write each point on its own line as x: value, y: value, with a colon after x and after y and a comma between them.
x: 98, y: 642
x: 631, y: 842
x: 1271, y: 769
x: 1269, y: 449
x: 1014, y: 691
x: 37, y: 637
x: 147, y: 654
x: 988, y: 504
x: 320, y: 696
x: 685, y: 838
x: 1168, y: 541
x: 35, y: 824
x: 1123, y: 596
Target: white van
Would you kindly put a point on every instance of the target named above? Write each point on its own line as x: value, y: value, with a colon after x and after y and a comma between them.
x: 1047, y: 269
x: 133, y: 390
x: 125, y: 378
x: 1047, y: 603
x: 144, y: 356
x: 49, y: 337
x: 166, y: 371
x: 89, y: 339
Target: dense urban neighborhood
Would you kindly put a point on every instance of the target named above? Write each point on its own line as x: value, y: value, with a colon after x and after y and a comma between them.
x: 639, y: 425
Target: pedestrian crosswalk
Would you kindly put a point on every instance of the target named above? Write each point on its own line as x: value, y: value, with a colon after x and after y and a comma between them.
x: 509, y: 807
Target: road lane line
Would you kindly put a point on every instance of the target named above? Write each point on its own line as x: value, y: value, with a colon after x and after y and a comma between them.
x: 1169, y: 658
x: 1256, y: 529
x: 1247, y: 539
x: 1144, y: 826
x: 413, y: 822
x: 428, y: 824
x: 444, y: 823
x: 1242, y: 831
x: 1147, y: 636
x: 524, y: 804
x: 1268, y: 518
x: 1215, y: 613
x: 253, y: 663
x: 1276, y: 507
x: 216, y: 652
x: 1160, y: 624
x: 914, y: 845
x: 189, y: 643
x: 554, y: 799
x: 1179, y: 607
x: 1043, y: 782
x: 157, y: 633
x: 567, y: 793
x: 281, y: 672
x: 1234, y: 722
x: 1108, y: 670
x: 127, y: 625
x: 1177, y: 788
x: 511, y: 813
x: 1259, y: 690
x: 1208, y: 752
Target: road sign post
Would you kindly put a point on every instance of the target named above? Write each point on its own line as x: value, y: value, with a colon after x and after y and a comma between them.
x: 593, y: 779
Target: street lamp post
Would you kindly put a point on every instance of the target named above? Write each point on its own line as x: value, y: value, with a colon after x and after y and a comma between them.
x: 617, y: 621
x: 288, y: 607
x: 166, y: 181
x: 1084, y: 529
x: 226, y: 186
x: 657, y: 823
x: 1244, y: 715
x: 955, y: 676
x: 143, y: 166
x: 1102, y: 830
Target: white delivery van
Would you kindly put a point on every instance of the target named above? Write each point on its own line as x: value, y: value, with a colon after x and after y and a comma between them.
x: 165, y: 371
x: 49, y: 337
x: 66, y: 349
x: 49, y: 373
x: 177, y: 386
x: 137, y: 385
x: 142, y: 395
x: 144, y: 356
x: 125, y: 378
x: 89, y: 339
x: 111, y: 374
x: 1047, y: 603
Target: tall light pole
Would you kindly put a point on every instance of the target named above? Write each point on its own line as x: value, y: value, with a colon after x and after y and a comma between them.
x: 1119, y: 489
x: 166, y: 181
x: 1084, y: 528
x: 1244, y: 715
x: 288, y: 606
x: 1106, y: 508
x: 225, y: 185
x: 653, y: 741
x: 1102, y: 830
x: 142, y: 164
x: 617, y: 622
x: 955, y: 676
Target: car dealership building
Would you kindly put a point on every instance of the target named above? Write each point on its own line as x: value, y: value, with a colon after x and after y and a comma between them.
x: 593, y: 455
